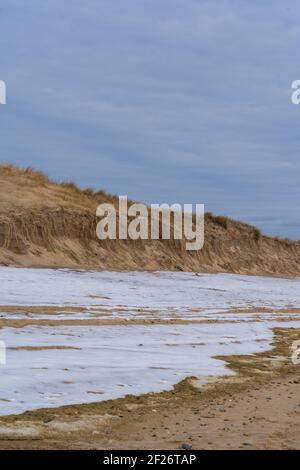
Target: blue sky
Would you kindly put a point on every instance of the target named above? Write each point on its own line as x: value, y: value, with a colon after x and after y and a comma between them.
x: 162, y: 100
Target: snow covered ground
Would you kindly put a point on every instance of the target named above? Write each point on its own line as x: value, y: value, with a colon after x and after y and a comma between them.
x: 75, y: 363
x: 162, y: 295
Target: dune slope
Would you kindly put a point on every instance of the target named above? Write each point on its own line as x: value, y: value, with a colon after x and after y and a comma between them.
x: 43, y: 223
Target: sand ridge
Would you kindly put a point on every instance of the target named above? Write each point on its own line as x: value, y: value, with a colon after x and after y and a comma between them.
x: 45, y: 224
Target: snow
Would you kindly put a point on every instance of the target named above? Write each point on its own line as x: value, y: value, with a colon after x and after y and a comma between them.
x: 103, y: 362
x: 138, y: 293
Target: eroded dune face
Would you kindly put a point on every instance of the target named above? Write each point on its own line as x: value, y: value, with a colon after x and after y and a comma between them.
x: 54, y: 225
x: 76, y: 337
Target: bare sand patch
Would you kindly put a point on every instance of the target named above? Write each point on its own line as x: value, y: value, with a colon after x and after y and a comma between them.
x: 40, y: 348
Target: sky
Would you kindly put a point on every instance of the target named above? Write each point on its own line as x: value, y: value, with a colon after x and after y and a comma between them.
x: 178, y: 101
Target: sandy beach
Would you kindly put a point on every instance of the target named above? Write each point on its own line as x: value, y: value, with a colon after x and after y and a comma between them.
x: 259, y: 408
x: 149, y: 229
x: 148, y: 360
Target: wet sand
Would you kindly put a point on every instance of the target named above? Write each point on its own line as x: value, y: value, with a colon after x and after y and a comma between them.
x: 258, y: 408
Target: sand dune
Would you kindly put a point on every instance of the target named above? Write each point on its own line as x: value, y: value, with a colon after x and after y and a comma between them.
x: 43, y: 223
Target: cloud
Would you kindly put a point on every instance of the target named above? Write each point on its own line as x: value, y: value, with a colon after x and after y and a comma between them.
x: 165, y: 100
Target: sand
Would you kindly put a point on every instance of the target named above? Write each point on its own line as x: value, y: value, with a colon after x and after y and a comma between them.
x: 45, y: 224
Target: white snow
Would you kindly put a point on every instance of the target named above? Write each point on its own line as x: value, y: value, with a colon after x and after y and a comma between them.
x: 126, y: 294
x: 104, y: 362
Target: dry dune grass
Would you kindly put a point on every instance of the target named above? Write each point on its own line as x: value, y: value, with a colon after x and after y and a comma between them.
x: 27, y: 188
x: 43, y: 223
